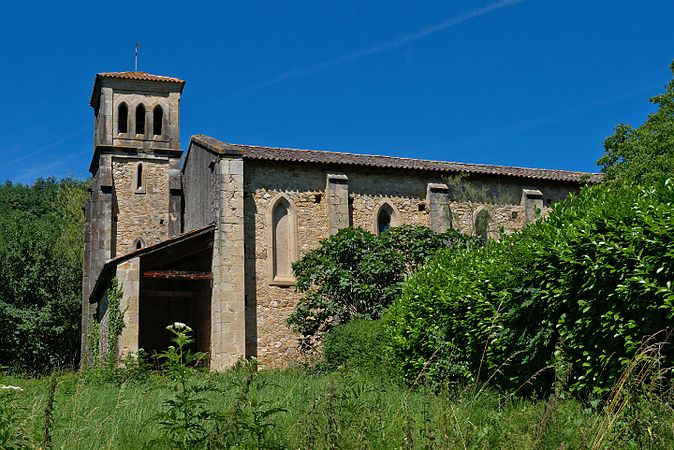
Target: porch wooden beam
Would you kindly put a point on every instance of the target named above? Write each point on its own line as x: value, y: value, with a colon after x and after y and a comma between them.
x: 177, y: 275
x: 169, y: 294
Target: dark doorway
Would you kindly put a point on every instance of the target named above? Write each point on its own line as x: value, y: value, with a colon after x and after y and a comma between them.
x: 164, y: 302
x: 175, y: 286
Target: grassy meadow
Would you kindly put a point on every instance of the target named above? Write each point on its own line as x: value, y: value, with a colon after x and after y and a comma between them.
x: 303, y: 408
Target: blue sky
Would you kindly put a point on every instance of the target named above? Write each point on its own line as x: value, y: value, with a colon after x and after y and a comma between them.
x: 537, y: 83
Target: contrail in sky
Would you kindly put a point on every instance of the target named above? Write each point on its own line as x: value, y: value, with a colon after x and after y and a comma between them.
x: 384, y: 46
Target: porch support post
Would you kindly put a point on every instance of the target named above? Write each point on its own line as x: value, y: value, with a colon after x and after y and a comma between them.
x: 128, y: 278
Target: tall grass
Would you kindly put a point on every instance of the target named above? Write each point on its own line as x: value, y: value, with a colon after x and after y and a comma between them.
x: 329, y: 410
x: 304, y: 408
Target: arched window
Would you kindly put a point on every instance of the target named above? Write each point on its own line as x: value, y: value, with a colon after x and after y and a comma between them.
x: 140, y: 179
x: 140, y: 119
x: 157, y: 119
x: 482, y: 219
x: 386, y: 218
x: 138, y: 243
x: 123, y: 118
x: 281, y: 225
x: 282, y: 242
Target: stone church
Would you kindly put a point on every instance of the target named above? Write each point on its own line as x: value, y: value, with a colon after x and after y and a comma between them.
x: 208, y: 237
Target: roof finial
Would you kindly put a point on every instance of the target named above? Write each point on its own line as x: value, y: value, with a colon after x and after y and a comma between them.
x: 135, y: 65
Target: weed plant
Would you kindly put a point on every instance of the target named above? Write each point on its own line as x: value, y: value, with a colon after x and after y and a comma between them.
x: 185, y: 417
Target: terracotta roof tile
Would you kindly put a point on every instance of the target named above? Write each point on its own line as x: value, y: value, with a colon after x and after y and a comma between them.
x: 353, y: 159
x: 138, y: 76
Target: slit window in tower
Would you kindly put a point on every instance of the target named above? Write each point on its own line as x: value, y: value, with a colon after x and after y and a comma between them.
x: 140, y: 179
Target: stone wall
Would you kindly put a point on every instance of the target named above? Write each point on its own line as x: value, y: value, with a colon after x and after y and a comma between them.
x: 268, y: 305
x: 404, y: 192
x: 199, y: 187
x: 98, y: 228
x: 143, y: 214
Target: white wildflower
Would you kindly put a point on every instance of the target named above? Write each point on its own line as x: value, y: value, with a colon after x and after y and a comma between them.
x: 178, y: 326
x: 181, y: 326
x: 10, y: 388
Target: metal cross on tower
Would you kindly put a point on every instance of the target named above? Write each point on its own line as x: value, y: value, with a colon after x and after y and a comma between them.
x: 135, y: 65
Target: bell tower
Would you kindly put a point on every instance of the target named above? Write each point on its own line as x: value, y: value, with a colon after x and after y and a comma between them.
x: 135, y: 196
x: 137, y: 109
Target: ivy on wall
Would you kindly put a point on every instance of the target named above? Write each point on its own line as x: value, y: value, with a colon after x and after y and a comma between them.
x: 115, y: 326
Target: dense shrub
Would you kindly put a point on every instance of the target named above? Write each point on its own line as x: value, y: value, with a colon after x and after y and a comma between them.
x: 591, y: 281
x: 358, y: 344
x: 40, y: 273
x: 442, y: 321
x: 357, y: 274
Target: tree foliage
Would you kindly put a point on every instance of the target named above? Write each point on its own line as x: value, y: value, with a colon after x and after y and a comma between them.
x: 357, y: 274
x: 40, y: 273
x: 644, y: 154
x: 593, y: 281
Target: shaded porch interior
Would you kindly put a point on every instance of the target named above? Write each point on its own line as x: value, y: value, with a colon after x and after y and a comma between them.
x: 175, y: 286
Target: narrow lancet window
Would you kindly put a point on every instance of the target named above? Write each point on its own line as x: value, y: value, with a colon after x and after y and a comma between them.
x: 281, y: 240
x: 384, y: 218
x: 123, y: 119
x: 140, y: 185
x: 140, y: 119
x: 157, y: 119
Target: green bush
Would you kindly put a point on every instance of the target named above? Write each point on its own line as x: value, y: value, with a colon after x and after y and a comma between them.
x: 359, y: 344
x: 357, y: 274
x: 444, y: 319
x: 594, y: 280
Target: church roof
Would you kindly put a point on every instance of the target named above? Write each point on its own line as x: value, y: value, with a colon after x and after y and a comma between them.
x: 135, y: 76
x: 389, y: 162
x: 140, y: 76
